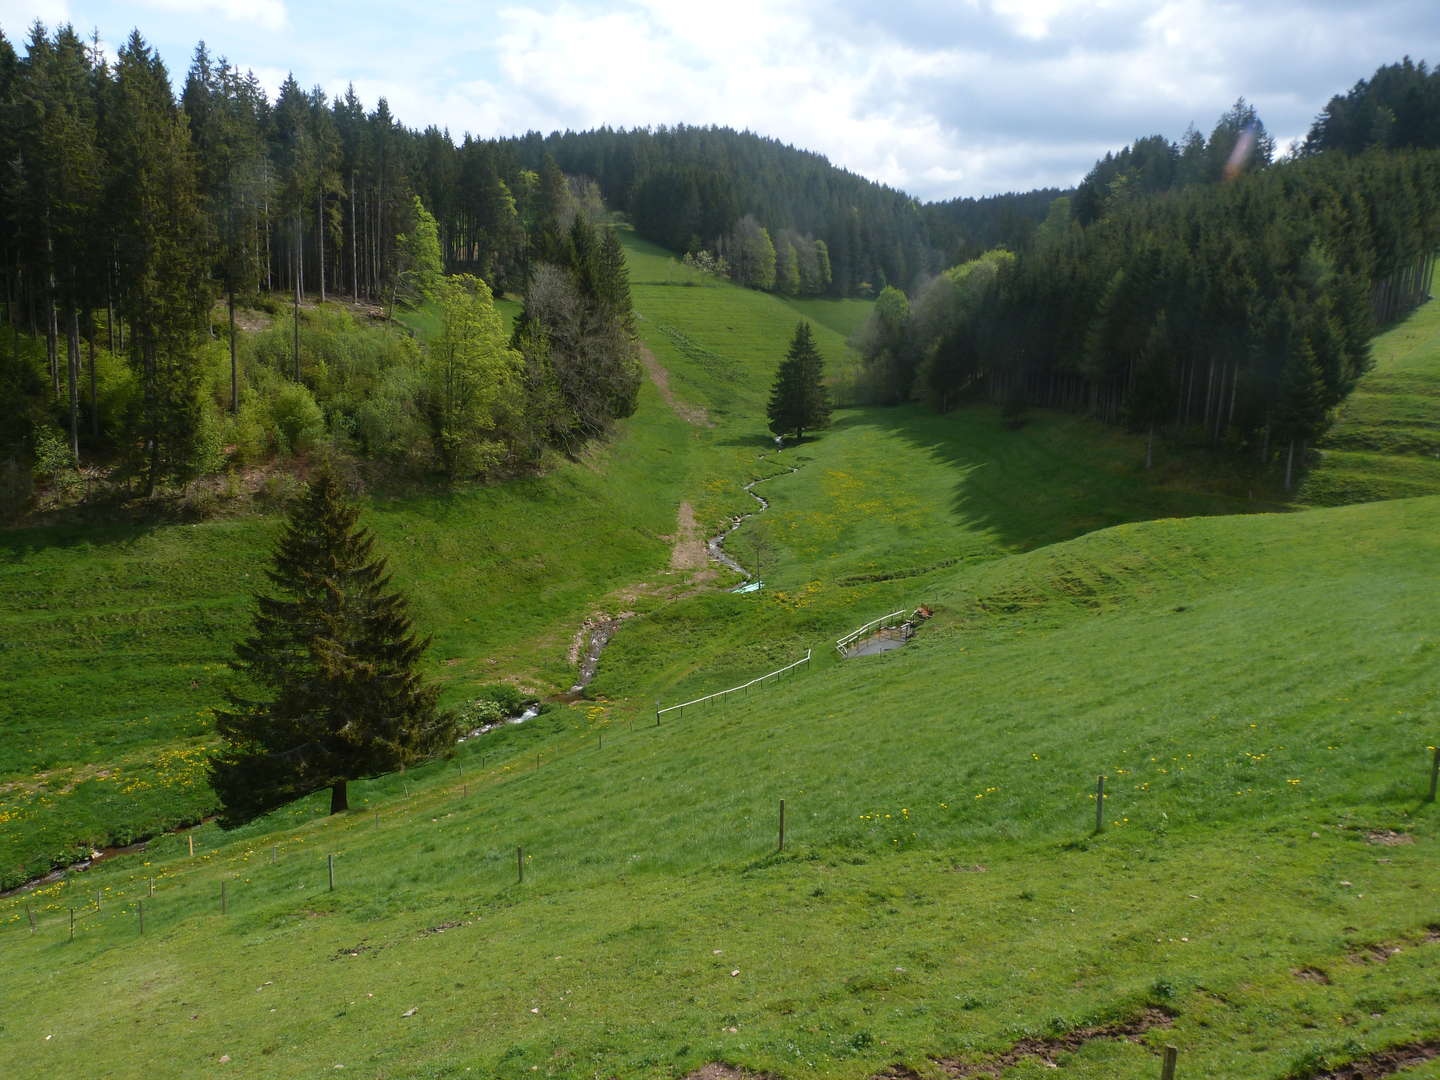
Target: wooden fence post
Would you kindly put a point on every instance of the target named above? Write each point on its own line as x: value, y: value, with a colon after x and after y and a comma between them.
x: 140, y: 911
x: 1167, y: 1070
x: 1434, y: 775
x: 30, y: 914
x: 72, y: 924
x: 1100, y: 804
x: 330, y: 866
x: 223, y: 906
x: 191, y: 838
x: 519, y: 866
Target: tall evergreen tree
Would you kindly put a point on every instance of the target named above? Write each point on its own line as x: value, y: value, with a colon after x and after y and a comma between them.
x: 160, y: 231
x: 226, y: 116
x: 798, y: 400
x: 330, y: 690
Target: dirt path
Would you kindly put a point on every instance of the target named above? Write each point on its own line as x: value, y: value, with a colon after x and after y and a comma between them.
x: 689, y: 550
x: 691, y: 414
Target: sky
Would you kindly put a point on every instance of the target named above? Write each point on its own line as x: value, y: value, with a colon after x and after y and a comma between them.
x: 939, y: 98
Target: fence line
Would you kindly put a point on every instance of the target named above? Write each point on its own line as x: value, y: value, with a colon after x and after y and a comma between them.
x: 734, y: 689
x: 841, y: 644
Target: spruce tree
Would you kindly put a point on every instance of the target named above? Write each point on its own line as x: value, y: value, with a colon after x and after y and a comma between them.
x: 798, y: 400
x: 329, y: 690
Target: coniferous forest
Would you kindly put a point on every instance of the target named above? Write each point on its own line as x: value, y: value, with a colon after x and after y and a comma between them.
x: 1196, y: 287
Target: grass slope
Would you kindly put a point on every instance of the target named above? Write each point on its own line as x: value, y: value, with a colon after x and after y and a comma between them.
x: 1386, y: 441
x: 940, y: 896
x: 116, y: 638
x: 1257, y: 689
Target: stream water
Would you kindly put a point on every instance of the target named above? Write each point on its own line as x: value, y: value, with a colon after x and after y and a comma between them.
x: 98, y: 855
x: 600, y: 631
x: 600, y: 634
x: 716, y: 544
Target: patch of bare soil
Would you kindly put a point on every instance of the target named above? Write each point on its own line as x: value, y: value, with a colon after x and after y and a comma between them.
x: 689, y: 550
x: 716, y: 1071
x: 691, y: 414
x: 1388, y: 838
x: 1376, y: 953
x: 1312, y: 974
x: 1050, y: 1047
x: 249, y: 321
x: 1385, y: 1062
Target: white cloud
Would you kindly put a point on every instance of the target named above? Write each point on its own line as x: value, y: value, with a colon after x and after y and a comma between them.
x: 971, y: 97
x: 17, y: 15
x: 268, y: 14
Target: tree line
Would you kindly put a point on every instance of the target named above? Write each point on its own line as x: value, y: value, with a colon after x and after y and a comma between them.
x: 126, y: 210
x: 1196, y: 287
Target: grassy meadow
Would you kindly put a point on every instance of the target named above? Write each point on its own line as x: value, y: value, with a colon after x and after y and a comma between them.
x: 1256, y: 688
x: 1386, y: 441
x: 1265, y: 875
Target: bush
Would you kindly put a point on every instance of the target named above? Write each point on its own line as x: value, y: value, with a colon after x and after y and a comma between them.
x: 478, y: 713
x: 296, y: 420
x: 511, y: 700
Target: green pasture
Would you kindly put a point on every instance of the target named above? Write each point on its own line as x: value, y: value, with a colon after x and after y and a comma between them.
x: 1256, y: 688
x: 116, y: 638
x: 1264, y: 874
x: 1386, y: 440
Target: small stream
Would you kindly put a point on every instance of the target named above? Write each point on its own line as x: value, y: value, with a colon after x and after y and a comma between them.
x: 716, y: 544
x: 601, y: 629
x: 531, y: 711
x: 99, y: 855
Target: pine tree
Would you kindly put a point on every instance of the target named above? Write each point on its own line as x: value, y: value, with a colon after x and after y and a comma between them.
x: 329, y: 690
x: 798, y: 400
x: 159, y: 236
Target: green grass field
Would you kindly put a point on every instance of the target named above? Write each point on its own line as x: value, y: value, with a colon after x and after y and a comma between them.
x: 941, y: 894
x: 1257, y: 688
x: 1386, y: 441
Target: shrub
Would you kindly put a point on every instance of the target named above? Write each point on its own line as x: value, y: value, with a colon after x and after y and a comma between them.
x: 297, y: 422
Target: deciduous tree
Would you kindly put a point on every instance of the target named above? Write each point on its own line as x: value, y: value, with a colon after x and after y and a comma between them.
x: 473, y: 379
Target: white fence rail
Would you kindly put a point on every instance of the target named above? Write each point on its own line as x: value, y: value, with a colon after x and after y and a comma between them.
x: 734, y: 689
x: 895, y: 618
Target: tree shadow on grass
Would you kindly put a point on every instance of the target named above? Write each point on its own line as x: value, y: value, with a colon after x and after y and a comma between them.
x: 1058, y: 477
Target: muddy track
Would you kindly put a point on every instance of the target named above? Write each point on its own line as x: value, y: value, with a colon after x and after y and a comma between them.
x: 1385, y: 1062
x: 1047, y: 1049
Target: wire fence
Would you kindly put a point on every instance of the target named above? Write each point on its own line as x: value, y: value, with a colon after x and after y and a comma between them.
x: 165, y: 897
x: 734, y: 689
